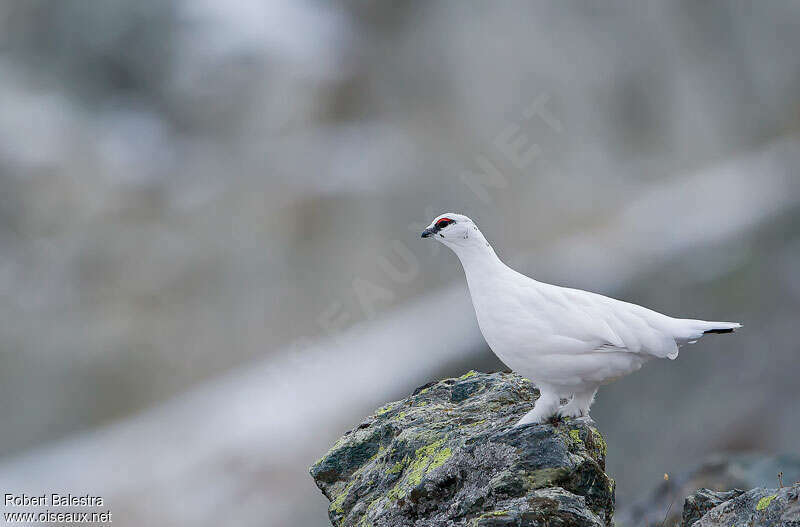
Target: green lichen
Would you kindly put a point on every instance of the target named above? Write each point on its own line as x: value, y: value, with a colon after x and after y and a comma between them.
x: 440, y: 458
x: 336, y: 504
x: 470, y: 373
x: 397, y: 492
x: 487, y: 515
x: 401, y: 415
x: 381, y: 450
x: 576, y: 435
x: 764, y: 502
x: 338, y: 501
x: 425, y: 459
x: 385, y: 409
x: 365, y: 521
x: 422, y: 460
x: 600, y: 441
x: 397, y: 467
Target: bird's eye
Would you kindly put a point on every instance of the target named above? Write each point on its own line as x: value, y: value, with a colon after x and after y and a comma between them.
x: 444, y: 222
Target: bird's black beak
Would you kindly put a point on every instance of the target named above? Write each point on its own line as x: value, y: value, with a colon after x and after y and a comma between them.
x: 428, y: 232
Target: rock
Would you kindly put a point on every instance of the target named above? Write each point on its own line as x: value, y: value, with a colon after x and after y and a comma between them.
x: 701, y: 501
x: 449, y: 455
x: 720, y: 473
x: 762, y: 507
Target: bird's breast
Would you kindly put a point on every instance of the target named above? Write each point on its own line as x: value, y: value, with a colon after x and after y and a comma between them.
x: 508, y: 329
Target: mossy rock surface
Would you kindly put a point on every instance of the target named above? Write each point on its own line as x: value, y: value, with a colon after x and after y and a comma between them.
x: 721, y: 473
x: 701, y: 501
x: 449, y: 455
x: 763, y: 507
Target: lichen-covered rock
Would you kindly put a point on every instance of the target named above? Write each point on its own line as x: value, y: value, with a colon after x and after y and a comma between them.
x: 719, y: 472
x: 449, y: 455
x: 698, y: 503
x: 762, y: 507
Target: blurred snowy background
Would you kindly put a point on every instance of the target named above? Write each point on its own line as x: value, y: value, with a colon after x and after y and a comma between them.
x: 209, y: 218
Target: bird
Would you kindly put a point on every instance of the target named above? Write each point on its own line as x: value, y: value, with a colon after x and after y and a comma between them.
x: 568, y: 342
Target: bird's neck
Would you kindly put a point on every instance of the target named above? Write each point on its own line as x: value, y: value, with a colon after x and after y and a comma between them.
x: 479, y: 260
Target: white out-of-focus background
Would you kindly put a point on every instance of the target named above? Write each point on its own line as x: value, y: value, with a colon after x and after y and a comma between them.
x: 210, y: 263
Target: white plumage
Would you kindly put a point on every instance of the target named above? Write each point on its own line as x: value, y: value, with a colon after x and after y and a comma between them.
x: 567, y: 341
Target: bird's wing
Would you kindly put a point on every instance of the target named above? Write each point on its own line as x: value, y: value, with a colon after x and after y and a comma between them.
x: 597, y: 323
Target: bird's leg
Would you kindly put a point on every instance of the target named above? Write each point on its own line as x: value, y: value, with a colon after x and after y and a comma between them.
x: 580, y: 404
x: 545, y: 407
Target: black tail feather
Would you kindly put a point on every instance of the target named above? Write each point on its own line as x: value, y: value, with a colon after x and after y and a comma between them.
x: 727, y: 330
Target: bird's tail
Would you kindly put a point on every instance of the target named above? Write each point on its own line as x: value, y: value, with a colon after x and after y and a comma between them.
x: 694, y: 329
x: 720, y: 327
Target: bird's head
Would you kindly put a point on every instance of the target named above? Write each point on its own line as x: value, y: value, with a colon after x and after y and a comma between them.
x: 454, y: 230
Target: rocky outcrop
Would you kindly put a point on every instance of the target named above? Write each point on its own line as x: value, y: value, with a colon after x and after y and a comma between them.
x: 763, y: 507
x: 701, y: 501
x: 449, y: 455
x: 661, y: 506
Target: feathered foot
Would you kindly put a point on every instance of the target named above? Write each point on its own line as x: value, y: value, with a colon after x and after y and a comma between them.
x: 545, y: 407
x: 579, y: 405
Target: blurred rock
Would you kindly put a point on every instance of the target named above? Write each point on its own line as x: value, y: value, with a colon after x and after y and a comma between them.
x: 699, y: 503
x: 714, y: 477
x: 449, y: 454
x: 762, y: 507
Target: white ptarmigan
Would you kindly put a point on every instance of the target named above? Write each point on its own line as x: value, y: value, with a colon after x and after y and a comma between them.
x: 567, y: 341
